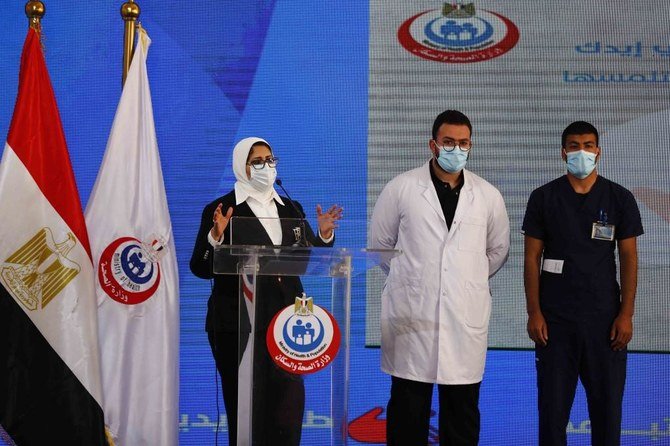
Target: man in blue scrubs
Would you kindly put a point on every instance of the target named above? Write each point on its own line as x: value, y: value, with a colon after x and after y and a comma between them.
x: 578, y: 316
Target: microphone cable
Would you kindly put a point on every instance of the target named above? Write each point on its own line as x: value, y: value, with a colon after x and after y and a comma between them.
x: 216, y: 371
x: 216, y: 353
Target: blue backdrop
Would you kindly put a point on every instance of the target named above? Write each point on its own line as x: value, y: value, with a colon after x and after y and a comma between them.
x: 296, y: 73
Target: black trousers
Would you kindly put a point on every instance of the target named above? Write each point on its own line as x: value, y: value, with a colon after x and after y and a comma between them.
x: 580, y: 351
x: 408, y: 414
x: 279, y: 397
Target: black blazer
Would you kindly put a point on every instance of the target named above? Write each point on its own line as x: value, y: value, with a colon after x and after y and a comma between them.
x: 278, y: 292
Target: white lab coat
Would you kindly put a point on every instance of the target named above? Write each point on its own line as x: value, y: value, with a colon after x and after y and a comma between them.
x: 436, y: 301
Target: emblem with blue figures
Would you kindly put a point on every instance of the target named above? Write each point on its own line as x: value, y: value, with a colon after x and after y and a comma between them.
x: 129, y: 269
x: 303, y: 338
x: 458, y: 33
x: 135, y: 264
x: 305, y: 334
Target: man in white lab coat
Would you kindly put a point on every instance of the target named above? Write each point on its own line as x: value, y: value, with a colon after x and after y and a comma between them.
x: 453, y: 230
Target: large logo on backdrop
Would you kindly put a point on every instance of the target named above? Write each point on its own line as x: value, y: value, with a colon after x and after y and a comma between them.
x: 40, y: 269
x: 458, y: 33
x: 303, y: 338
x: 129, y: 269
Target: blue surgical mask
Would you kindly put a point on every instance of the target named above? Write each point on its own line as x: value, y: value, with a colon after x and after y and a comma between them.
x: 581, y: 163
x: 453, y: 161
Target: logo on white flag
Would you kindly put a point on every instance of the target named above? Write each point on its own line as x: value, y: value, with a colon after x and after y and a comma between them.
x: 129, y: 270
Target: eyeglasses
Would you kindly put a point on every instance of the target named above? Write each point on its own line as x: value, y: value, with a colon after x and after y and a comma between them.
x: 450, y: 145
x: 259, y: 164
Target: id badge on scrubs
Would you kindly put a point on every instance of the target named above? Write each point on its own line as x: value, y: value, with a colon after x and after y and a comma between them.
x: 601, y: 230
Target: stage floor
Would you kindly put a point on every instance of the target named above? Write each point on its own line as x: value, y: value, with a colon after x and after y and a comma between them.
x: 507, y: 404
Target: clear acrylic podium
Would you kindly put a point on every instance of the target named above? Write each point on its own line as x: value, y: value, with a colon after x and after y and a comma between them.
x: 302, y: 340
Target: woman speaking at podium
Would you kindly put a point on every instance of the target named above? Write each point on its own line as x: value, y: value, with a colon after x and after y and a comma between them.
x: 279, y: 397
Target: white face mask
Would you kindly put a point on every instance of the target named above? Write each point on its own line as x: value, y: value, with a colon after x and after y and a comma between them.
x: 262, y: 180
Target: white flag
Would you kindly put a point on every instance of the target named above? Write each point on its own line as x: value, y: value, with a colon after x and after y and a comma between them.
x: 136, y: 270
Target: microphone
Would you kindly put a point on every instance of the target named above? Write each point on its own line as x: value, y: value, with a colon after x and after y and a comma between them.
x: 301, y: 238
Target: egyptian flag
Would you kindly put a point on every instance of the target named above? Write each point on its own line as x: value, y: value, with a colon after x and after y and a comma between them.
x: 50, y: 389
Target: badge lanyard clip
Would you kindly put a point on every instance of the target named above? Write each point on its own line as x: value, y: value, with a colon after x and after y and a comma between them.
x: 601, y: 230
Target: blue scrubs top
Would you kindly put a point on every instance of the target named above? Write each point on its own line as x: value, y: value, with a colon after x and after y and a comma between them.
x: 587, y: 287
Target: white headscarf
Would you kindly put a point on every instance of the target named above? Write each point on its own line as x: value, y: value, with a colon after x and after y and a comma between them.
x: 243, y: 188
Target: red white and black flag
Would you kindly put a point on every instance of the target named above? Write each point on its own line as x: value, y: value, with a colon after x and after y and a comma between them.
x: 50, y: 389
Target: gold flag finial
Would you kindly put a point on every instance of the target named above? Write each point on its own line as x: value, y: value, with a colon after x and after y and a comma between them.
x: 35, y: 11
x: 130, y: 11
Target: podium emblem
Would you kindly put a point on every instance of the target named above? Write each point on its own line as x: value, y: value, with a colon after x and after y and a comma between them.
x: 303, y: 338
x: 40, y: 269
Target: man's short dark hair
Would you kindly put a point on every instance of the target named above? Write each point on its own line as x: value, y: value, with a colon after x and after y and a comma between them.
x: 450, y: 117
x: 579, y: 128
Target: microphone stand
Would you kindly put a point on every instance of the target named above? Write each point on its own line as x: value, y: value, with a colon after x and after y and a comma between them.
x: 303, y: 232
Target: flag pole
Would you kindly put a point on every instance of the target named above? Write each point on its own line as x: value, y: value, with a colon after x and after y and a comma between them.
x: 35, y: 11
x: 130, y: 11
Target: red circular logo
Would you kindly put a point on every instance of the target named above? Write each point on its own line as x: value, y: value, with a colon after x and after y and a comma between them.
x: 303, y: 340
x: 127, y: 273
x: 466, y: 38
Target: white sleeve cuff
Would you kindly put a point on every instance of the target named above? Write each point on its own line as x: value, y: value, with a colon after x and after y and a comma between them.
x: 330, y: 239
x: 212, y: 241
